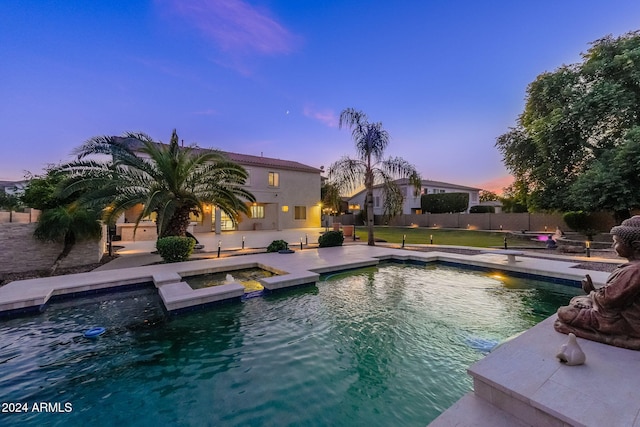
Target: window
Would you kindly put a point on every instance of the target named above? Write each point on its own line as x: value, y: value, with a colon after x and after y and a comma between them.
x: 274, y: 179
x: 474, y: 197
x: 196, y: 217
x: 257, y: 211
x: 300, y: 212
x: 248, y: 180
x: 376, y: 202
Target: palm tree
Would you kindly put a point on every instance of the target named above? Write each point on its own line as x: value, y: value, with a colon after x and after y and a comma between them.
x: 63, y: 219
x: 370, y: 167
x: 168, y: 180
x: 67, y: 224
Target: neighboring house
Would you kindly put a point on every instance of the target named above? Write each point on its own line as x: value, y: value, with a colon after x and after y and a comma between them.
x: 12, y: 187
x: 497, y: 205
x: 411, y: 203
x: 287, y: 196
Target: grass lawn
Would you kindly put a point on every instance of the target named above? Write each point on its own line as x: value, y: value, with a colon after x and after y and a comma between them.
x: 422, y: 235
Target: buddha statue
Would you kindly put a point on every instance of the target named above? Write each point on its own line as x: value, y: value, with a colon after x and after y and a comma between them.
x: 611, y: 313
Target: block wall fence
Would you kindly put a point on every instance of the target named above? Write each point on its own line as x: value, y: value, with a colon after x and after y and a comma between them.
x: 20, y: 251
x: 538, y: 222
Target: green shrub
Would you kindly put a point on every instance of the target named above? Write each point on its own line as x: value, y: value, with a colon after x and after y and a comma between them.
x: 331, y: 238
x: 175, y: 248
x: 482, y: 209
x: 277, y: 245
x: 582, y: 222
x: 444, y: 202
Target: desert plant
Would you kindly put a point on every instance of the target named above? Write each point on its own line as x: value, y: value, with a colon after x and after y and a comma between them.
x: 175, y: 248
x: 331, y: 238
x: 277, y: 245
x: 168, y: 180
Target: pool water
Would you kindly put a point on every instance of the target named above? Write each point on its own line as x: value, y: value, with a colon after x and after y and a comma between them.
x: 373, y: 347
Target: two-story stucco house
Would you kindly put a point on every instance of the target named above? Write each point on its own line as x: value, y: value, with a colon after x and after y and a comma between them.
x: 411, y: 203
x: 287, y: 196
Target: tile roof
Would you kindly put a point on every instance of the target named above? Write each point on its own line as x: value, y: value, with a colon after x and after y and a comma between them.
x: 426, y: 183
x: 244, y: 159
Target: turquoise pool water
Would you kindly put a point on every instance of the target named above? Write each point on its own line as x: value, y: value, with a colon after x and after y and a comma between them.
x: 374, y: 347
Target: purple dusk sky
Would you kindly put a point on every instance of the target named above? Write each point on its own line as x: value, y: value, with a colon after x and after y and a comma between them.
x: 271, y: 77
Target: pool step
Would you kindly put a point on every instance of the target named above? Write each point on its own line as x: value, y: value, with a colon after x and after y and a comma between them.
x: 522, y: 378
x: 472, y: 410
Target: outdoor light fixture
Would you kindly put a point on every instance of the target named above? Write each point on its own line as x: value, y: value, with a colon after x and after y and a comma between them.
x: 588, y: 245
x: 242, y: 242
x: 219, y: 245
x: 431, y: 239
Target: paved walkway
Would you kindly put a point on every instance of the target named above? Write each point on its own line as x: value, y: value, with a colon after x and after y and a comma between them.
x: 134, y: 254
x: 140, y: 253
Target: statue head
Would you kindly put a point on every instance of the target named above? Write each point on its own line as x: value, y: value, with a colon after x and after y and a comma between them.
x: 628, y: 233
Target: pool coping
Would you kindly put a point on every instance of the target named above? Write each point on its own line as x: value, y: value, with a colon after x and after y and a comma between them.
x: 520, y: 381
x: 302, y: 267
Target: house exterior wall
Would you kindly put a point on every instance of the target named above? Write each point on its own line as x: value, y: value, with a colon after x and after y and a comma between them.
x: 411, y: 204
x: 293, y: 188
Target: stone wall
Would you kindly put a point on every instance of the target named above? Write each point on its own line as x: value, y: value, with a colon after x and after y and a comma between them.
x: 20, y: 251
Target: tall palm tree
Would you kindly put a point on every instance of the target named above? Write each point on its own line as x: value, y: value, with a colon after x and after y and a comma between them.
x: 370, y: 167
x: 168, y: 180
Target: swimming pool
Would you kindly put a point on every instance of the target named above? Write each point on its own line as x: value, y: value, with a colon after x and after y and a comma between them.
x: 379, y: 346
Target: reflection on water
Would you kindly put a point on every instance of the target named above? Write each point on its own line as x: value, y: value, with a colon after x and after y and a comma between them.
x: 380, y: 346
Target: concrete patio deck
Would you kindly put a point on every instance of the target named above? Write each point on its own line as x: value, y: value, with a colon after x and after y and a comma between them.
x: 519, y: 383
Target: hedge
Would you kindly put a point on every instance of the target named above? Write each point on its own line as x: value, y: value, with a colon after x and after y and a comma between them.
x: 444, y: 202
x: 175, y: 248
x: 331, y: 238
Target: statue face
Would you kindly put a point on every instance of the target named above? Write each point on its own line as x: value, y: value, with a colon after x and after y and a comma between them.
x: 621, y: 248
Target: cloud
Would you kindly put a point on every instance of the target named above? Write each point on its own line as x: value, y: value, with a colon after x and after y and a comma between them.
x: 328, y: 117
x: 235, y: 25
x: 497, y: 185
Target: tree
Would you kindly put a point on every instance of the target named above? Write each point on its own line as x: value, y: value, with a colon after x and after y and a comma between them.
x: 10, y: 202
x: 370, y: 167
x: 63, y: 219
x: 168, y: 180
x: 578, y: 129
x: 488, y: 196
x: 330, y: 195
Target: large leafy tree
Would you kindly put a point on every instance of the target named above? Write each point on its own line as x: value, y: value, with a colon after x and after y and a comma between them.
x: 166, y: 179
x: 63, y: 219
x: 370, y: 167
x: 331, y: 199
x: 578, y: 129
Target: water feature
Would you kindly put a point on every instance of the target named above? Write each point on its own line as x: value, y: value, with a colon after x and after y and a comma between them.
x: 247, y: 277
x: 377, y: 346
